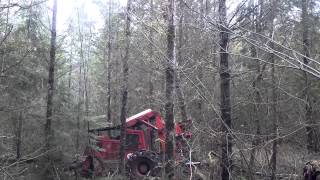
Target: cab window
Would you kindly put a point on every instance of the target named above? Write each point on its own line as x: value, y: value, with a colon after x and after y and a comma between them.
x: 132, y: 141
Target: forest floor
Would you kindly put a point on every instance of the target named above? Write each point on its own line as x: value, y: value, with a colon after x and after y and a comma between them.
x: 290, y: 163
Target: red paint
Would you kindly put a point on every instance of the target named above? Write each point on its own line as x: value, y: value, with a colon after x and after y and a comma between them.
x: 142, y: 130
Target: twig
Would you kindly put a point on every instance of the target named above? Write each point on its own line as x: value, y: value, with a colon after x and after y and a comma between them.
x: 25, y: 160
x: 55, y: 170
x: 11, y: 177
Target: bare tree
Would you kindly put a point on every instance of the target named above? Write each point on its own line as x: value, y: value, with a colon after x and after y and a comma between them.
x: 86, y: 76
x: 80, y: 90
x: 179, y: 91
x: 274, y: 96
x: 19, y: 135
x: 109, y: 66
x: 306, y: 48
x: 256, y: 24
x: 170, y: 72
x: 151, y: 56
x: 225, y: 102
x: 49, y: 114
x: 125, y: 69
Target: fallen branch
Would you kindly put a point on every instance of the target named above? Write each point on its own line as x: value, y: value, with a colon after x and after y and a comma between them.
x: 28, y: 160
x: 8, y: 174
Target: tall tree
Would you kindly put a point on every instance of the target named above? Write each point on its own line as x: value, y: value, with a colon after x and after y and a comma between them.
x: 202, y: 55
x: 225, y: 101
x: 109, y: 66
x: 170, y: 71
x: 86, y: 75
x: 258, y: 77
x: 80, y: 90
x: 274, y: 96
x: 49, y: 114
x: 125, y: 71
x: 70, y: 71
x: 179, y: 91
x: 151, y: 56
x: 306, y: 52
x: 19, y: 135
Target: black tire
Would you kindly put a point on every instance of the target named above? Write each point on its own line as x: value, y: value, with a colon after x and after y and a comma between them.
x: 141, y: 164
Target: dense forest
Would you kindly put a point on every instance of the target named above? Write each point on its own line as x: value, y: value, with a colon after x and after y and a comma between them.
x: 244, y: 74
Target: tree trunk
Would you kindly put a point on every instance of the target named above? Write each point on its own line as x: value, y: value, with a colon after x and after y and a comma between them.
x: 256, y: 112
x: 18, y: 135
x: 180, y: 95
x: 70, y: 72
x: 109, y: 66
x: 308, y: 107
x: 225, y: 103
x: 170, y: 66
x: 79, y: 109
x: 274, y: 98
x: 80, y: 90
x: 202, y: 55
x: 275, y: 122
x: 256, y: 19
x: 123, y: 113
x: 86, y: 84
x: 48, y: 130
x: 151, y: 57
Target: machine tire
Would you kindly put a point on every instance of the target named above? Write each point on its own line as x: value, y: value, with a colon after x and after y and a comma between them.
x: 142, y: 164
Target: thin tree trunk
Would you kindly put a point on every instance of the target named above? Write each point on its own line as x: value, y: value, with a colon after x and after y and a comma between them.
x: 151, y: 54
x: 109, y: 66
x: 256, y: 86
x: 308, y: 107
x: 274, y: 99
x: 117, y: 59
x: 123, y: 113
x: 86, y: 79
x: 180, y: 95
x: 18, y: 135
x: 225, y: 101
x: 170, y: 66
x: 256, y: 112
x: 202, y: 55
x: 79, y: 109
x: 275, y: 122
x: 70, y: 72
x: 80, y: 91
x: 49, y: 114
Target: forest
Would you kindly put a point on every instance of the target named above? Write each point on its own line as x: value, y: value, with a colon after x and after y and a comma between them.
x: 233, y: 87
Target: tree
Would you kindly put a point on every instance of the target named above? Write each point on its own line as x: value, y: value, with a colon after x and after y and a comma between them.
x: 109, y: 66
x: 274, y: 95
x: 151, y: 56
x: 257, y: 21
x: 225, y: 101
x: 311, y: 144
x: 125, y: 74
x: 178, y: 88
x: 50, y: 94
x: 18, y: 135
x: 170, y: 72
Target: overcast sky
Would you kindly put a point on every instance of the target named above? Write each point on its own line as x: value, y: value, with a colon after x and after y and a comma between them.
x: 67, y: 9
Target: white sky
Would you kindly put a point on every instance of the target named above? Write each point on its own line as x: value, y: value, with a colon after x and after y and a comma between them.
x: 68, y: 9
